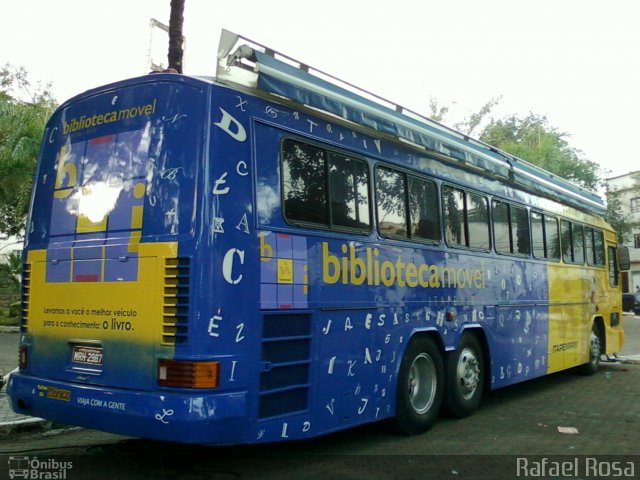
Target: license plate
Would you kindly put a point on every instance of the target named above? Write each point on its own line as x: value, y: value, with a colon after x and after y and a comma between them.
x: 87, y: 355
x: 58, y: 394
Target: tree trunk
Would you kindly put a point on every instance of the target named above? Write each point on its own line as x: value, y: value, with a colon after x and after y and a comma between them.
x: 176, y: 20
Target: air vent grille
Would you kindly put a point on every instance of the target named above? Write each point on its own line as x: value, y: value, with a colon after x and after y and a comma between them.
x: 175, y: 304
x: 25, y: 297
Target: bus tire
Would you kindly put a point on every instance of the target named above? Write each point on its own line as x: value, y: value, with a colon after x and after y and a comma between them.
x: 465, y: 376
x: 595, y: 352
x: 420, y: 388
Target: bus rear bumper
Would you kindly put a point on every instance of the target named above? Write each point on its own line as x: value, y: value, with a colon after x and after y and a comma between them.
x: 178, y: 416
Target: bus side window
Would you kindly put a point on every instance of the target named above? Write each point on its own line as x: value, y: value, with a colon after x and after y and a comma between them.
x: 314, y: 179
x: 588, y: 246
x: 304, y: 182
x: 423, y: 209
x: 453, y: 206
x: 349, y: 192
x: 501, y: 227
x: 546, y: 241
x: 572, y: 242
x: 577, y: 236
x: 466, y: 219
x: 594, y: 246
x: 511, y: 229
x: 598, y: 247
x: 477, y: 222
x: 520, y: 230
x: 567, y: 242
x: 537, y: 233
x: 391, y: 202
x: 552, y: 237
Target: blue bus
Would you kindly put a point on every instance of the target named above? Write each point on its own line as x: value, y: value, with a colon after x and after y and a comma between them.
x: 273, y: 255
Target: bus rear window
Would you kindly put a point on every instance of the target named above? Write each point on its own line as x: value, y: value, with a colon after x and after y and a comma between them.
x: 119, y: 164
x: 99, y: 183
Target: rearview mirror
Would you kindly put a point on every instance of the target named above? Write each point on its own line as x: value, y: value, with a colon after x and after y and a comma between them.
x: 623, y: 257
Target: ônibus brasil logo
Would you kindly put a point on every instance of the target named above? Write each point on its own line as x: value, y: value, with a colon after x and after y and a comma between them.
x: 36, y: 469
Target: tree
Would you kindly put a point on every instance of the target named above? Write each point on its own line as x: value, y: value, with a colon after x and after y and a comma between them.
x: 436, y: 111
x: 16, y: 86
x: 534, y: 140
x: 616, y: 218
x: 530, y: 138
x: 176, y: 19
x: 24, y: 110
x: 468, y: 125
x: 11, y: 270
x: 620, y: 222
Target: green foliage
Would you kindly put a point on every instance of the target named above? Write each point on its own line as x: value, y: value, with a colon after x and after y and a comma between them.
x: 24, y: 110
x: 534, y: 140
x: 10, y: 275
x: 16, y: 86
x: 616, y: 219
x: 530, y: 138
x: 437, y: 112
x: 468, y: 125
x: 11, y: 271
x: 622, y: 224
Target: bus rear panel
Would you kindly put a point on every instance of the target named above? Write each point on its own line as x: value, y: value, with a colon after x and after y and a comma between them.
x: 109, y: 264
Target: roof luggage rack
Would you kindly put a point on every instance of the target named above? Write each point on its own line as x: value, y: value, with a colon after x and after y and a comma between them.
x: 257, y: 66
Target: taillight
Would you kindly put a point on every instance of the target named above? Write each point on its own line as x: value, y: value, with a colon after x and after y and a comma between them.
x: 188, y: 373
x: 22, y: 357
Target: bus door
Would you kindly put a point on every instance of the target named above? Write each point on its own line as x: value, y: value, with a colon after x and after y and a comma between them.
x: 613, y: 322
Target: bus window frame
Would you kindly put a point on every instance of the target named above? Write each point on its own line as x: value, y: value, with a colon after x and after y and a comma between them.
x: 571, y: 261
x: 424, y: 240
x: 405, y: 202
x: 613, y: 270
x: 329, y: 226
x: 467, y: 239
x: 407, y: 176
x: 544, y: 216
x: 594, y: 231
x: 512, y: 241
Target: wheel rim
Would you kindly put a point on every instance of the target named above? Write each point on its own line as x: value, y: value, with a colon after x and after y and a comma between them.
x: 422, y: 383
x: 594, y: 348
x: 468, y: 373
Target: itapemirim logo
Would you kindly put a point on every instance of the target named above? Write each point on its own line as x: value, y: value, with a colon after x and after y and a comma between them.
x: 36, y: 469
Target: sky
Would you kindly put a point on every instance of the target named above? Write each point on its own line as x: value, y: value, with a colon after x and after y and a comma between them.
x: 576, y: 62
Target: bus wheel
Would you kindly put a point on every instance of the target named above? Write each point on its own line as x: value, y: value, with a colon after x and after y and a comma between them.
x: 595, y: 351
x: 420, y: 387
x: 465, y: 377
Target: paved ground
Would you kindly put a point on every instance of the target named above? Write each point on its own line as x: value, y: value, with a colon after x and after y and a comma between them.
x: 606, y: 393
x: 8, y: 361
x: 631, y: 327
x: 519, y: 421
